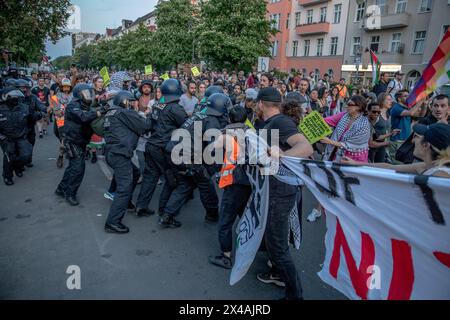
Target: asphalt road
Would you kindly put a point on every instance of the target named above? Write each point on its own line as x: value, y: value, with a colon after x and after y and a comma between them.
x: 41, y: 236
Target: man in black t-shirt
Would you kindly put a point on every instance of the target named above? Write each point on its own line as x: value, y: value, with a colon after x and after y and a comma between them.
x: 281, y: 195
x: 42, y: 92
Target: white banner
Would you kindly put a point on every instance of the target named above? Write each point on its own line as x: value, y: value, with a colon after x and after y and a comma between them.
x: 388, y: 234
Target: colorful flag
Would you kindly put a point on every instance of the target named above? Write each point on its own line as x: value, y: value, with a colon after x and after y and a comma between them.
x: 435, y: 75
x: 376, y: 68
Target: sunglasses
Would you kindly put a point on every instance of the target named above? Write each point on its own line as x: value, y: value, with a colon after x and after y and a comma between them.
x: 351, y: 104
x: 376, y: 112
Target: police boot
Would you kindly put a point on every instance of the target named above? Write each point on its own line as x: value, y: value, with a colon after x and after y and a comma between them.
x: 212, y: 215
x: 8, y: 181
x: 72, y: 200
x: 19, y: 173
x: 168, y: 221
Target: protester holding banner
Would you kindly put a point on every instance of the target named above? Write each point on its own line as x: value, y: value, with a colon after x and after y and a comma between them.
x: 282, y: 196
x: 431, y: 145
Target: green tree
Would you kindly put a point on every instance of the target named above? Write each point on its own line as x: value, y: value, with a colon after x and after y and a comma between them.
x: 62, y: 62
x: 173, y: 40
x: 234, y: 33
x: 25, y: 25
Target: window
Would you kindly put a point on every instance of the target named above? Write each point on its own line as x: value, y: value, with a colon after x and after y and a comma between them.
x: 274, y: 48
x: 337, y: 13
x: 401, y: 6
x: 306, y: 48
x: 297, y: 19
x: 309, y: 17
x: 356, y: 45
x: 395, y: 42
x: 383, y: 6
x: 286, y: 49
x: 360, y: 11
x: 323, y: 14
x: 316, y: 75
x: 426, y: 5
x: 288, y: 20
x: 419, y: 42
x: 334, y: 44
x: 275, y: 18
x: 375, y: 43
x: 294, y: 48
x: 319, y: 47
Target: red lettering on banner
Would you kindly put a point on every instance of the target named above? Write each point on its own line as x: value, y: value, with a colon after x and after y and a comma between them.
x: 403, y: 271
x: 443, y: 258
x: 359, y: 276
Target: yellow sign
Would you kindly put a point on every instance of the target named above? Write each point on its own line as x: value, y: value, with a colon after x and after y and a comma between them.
x: 148, y: 70
x: 314, y: 127
x: 195, y: 71
x: 105, y: 76
x: 165, y: 76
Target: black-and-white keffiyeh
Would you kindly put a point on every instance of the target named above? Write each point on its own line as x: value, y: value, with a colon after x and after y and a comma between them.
x: 355, y: 139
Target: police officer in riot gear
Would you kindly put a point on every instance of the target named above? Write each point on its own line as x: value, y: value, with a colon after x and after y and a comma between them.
x: 77, y: 119
x: 167, y: 115
x: 36, y: 109
x: 13, y: 130
x: 123, y: 127
x: 190, y: 176
x: 208, y: 93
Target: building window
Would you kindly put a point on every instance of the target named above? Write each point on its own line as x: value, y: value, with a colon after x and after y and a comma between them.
x: 323, y: 14
x: 337, y: 13
x: 294, y: 48
x: 319, y: 47
x: 309, y: 17
x: 375, y: 43
x: 306, y: 48
x: 360, y: 11
x: 288, y: 20
x: 419, y: 42
x: 401, y: 6
x: 395, y: 42
x: 286, y: 50
x: 316, y: 75
x: 274, y: 48
x: 275, y: 18
x: 426, y: 5
x: 382, y: 4
x: 334, y: 45
x: 356, y: 45
x: 297, y: 19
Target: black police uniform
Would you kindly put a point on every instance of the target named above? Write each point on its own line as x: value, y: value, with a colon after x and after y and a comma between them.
x: 166, y: 117
x: 13, y: 131
x: 123, y: 127
x: 78, y: 134
x: 37, y: 110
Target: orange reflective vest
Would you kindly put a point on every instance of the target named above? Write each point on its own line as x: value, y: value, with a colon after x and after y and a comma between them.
x: 226, y: 174
x: 58, y: 110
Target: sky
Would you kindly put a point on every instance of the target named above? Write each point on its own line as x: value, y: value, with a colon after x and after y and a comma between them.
x: 97, y: 15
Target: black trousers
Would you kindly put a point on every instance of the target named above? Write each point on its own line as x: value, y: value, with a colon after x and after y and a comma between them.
x: 16, y: 153
x: 126, y: 176
x: 233, y: 203
x: 186, y: 185
x: 155, y: 167
x: 74, y: 173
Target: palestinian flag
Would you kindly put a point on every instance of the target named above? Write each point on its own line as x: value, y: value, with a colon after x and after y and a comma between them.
x: 435, y: 75
x: 376, y: 68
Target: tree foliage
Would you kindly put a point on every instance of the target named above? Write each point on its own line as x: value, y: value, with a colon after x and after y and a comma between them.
x: 25, y: 25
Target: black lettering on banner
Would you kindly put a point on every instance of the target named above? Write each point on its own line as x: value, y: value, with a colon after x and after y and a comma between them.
x: 347, y: 181
x: 331, y: 190
x: 428, y: 195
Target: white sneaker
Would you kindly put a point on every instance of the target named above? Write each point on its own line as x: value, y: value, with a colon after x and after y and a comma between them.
x: 314, y: 215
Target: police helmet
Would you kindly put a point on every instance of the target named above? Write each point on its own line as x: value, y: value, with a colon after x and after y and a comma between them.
x: 171, y: 91
x: 12, y: 96
x: 22, y: 83
x: 11, y: 82
x: 123, y: 99
x: 218, y: 104
x: 84, y: 93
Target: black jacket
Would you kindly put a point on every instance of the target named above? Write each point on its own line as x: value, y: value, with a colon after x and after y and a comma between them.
x: 165, y: 119
x: 123, y: 127
x: 77, y: 123
x: 36, y: 109
x: 13, y: 121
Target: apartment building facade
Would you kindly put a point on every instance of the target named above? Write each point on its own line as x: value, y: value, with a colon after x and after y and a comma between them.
x: 403, y: 33
x: 311, y: 35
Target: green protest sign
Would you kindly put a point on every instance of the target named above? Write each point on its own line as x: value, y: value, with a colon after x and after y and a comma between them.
x: 165, y: 76
x: 148, y: 70
x: 195, y: 71
x: 314, y: 127
x: 105, y: 76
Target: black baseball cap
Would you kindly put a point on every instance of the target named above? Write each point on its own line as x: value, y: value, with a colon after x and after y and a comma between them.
x: 438, y: 134
x: 269, y: 94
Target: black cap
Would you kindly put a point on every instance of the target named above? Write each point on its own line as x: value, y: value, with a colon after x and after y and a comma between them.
x: 269, y: 94
x: 438, y: 134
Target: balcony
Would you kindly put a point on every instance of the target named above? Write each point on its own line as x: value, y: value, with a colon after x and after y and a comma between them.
x: 307, y: 3
x: 386, y: 19
x: 313, y: 28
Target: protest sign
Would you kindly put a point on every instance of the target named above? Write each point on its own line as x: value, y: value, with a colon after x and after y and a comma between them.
x: 165, y: 76
x: 314, y: 127
x: 105, y: 76
x: 195, y: 71
x: 148, y: 70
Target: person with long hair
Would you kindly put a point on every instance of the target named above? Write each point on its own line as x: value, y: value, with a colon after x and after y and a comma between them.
x: 334, y: 101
